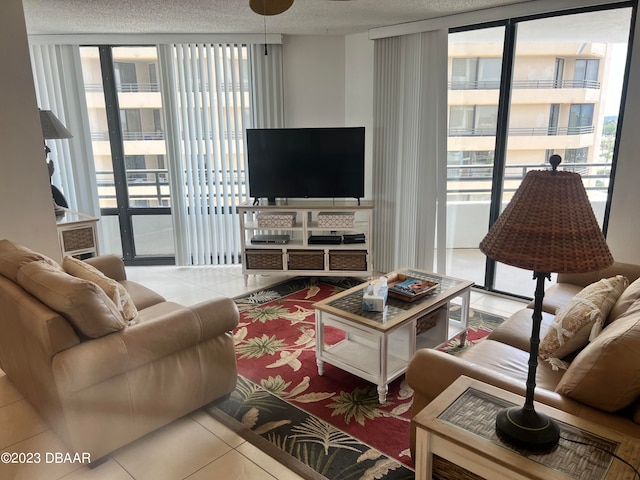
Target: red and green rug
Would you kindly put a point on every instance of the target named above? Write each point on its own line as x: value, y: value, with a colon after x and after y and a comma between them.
x: 332, y: 424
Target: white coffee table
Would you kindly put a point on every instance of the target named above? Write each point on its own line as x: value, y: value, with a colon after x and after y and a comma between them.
x: 378, y: 345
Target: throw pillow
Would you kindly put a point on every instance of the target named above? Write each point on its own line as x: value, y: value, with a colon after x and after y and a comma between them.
x: 628, y: 297
x: 606, y: 374
x: 13, y: 256
x: 581, y: 320
x: 83, y: 303
x: 116, y: 292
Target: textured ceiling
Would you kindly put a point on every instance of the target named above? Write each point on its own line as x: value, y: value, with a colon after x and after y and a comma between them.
x: 308, y: 17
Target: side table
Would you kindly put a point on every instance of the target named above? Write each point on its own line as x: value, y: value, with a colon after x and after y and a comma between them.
x: 77, y: 233
x: 455, y: 438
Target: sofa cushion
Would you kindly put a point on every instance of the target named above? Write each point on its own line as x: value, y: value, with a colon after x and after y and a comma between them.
x: 512, y: 362
x: 83, y: 303
x: 606, y: 374
x: 628, y: 298
x: 516, y: 330
x: 557, y: 296
x: 116, y: 292
x: 582, y: 319
x: 142, y: 296
x: 13, y: 256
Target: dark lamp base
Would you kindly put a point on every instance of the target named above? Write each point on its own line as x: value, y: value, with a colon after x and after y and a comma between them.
x: 527, y: 429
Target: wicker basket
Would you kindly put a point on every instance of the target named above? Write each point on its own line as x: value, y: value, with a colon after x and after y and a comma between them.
x: 78, y: 239
x: 355, y: 260
x: 445, y: 470
x: 430, y: 320
x: 264, y: 259
x: 306, y: 260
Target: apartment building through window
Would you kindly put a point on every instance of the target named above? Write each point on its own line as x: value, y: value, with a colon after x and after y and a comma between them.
x: 518, y: 92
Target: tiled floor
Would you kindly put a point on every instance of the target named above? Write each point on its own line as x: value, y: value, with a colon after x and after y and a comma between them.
x: 195, y: 447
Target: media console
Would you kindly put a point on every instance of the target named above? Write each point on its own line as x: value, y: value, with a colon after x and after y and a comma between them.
x: 342, y: 220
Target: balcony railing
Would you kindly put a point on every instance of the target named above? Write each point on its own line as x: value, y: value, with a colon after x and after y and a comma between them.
x: 523, y: 84
x: 136, y: 136
x: 521, y: 131
x: 155, y: 87
x: 596, y: 176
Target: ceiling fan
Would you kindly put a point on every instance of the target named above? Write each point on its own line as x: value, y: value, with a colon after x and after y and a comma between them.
x: 272, y: 7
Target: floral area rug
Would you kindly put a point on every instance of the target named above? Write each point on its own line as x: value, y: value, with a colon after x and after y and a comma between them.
x: 330, y: 426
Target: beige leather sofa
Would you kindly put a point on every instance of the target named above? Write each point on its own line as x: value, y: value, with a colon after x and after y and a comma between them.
x: 502, y: 359
x: 99, y: 381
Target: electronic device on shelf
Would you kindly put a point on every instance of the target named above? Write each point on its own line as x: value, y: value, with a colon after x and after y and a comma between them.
x: 288, y: 163
x: 325, y: 240
x: 353, y: 238
x: 270, y: 239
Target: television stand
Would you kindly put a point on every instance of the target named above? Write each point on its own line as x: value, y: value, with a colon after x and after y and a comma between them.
x: 300, y: 256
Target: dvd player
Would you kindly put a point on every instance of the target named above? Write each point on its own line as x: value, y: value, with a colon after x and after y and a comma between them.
x: 270, y: 239
x: 354, y: 238
x: 325, y: 239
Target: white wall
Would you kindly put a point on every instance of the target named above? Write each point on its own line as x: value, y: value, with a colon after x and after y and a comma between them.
x: 314, y: 79
x: 359, y: 96
x: 26, y: 215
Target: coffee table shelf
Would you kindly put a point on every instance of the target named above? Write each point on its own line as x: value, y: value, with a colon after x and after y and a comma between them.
x: 356, y: 358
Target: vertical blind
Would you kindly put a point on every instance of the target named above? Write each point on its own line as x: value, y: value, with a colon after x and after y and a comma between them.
x: 409, y: 148
x: 210, y: 94
x: 59, y: 87
x: 210, y: 109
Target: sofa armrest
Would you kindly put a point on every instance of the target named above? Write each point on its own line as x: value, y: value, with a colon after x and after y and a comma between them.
x: 172, y: 331
x: 217, y: 316
x: 629, y: 270
x: 111, y: 265
x: 430, y: 372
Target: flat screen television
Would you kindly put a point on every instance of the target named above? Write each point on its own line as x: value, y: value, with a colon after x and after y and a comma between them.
x: 305, y: 163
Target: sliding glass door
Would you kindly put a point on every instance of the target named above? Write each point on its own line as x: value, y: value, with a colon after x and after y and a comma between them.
x: 558, y: 92
x: 475, y: 66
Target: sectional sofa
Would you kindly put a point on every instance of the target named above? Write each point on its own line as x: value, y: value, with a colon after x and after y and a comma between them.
x: 598, y: 380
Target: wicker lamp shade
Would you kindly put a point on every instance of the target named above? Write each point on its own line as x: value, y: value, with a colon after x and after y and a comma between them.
x: 549, y: 226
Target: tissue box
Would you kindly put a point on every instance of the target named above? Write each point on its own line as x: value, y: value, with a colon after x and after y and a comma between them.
x: 372, y: 302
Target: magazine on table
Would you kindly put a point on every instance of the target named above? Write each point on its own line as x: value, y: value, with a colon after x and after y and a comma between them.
x: 411, y: 286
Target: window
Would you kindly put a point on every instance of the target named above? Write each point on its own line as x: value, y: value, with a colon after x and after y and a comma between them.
x: 554, y: 112
x: 558, y: 72
x: 461, y: 120
x: 475, y: 73
x: 580, y: 119
x: 576, y: 155
x: 546, y: 110
x: 126, y: 77
x: 471, y: 120
x: 585, y: 74
x: 486, y: 119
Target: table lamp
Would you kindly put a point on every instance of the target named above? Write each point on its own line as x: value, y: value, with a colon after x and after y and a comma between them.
x: 53, y: 129
x: 547, y: 227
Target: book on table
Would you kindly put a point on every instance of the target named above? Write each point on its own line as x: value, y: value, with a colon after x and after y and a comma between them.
x: 410, y: 288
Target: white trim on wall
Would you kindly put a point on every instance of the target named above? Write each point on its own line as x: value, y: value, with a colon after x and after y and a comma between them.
x: 153, y: 39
